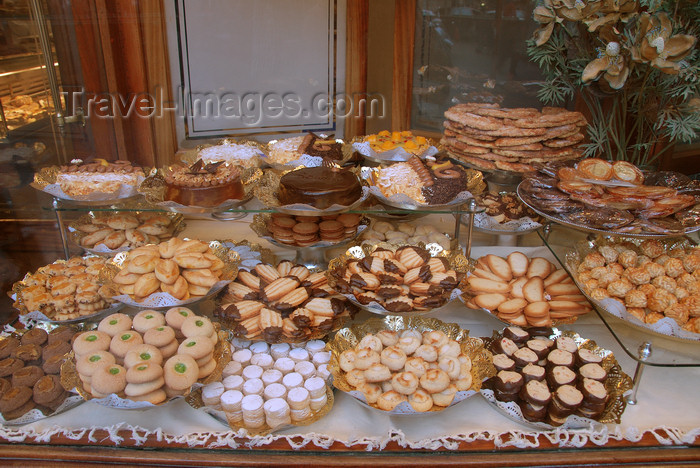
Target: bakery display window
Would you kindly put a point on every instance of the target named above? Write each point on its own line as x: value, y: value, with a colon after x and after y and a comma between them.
x: 346, y: 299
x: 471, y: 52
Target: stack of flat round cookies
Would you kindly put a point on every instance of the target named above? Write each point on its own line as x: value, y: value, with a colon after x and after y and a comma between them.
x: 489, y: 137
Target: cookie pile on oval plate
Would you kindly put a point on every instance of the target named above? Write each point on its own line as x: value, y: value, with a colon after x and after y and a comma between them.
x: 390, y: 279
x: 286, y: 302
x: 524, y: 291
x: 490, y: 137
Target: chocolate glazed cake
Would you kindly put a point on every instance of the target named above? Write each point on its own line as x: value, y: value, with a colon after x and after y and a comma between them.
x: 319, y: 187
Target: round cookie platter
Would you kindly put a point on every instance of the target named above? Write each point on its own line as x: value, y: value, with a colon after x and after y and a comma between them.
x: 408, y: 387
x: 110, y: 233
x: 377, y: 278
x: 174, y: 273
x: 147, y: 360
x: 523, y: 291
x: 309, y: 232
x: 65, y: 291
x: 282, y: 302
x: 267, y: 388
x: 153, y: 188
x: 584, y: 392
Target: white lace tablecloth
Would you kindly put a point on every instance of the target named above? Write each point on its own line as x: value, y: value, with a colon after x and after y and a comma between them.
x: 667, y: 406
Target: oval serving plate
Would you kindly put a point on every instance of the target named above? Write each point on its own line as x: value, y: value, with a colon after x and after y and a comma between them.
x: 161, y: 300
x: 457, y: 262
x: 348, y: 338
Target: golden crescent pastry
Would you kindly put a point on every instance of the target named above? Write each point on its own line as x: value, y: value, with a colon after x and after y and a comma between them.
x: 192, y: 246
x: 195, y: 290
x: 192, y: 260
x: 142, y: 264
x: 114, y: 240
x: 178, y: 289
x: 167, y: 271
x: 146, y: 285
x: 167, y: 249
x: 200, y: 277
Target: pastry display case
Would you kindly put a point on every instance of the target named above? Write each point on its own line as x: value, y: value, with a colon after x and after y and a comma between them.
x: 234, y: 304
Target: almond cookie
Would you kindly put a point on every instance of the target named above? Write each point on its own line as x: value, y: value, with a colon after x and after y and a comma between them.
x: 142, y: 373
x: 159, y: 336
x: 108, y: 379
x: 47, y: 389
x: 91, y: 341
x: 120, y: 344
x: 143, y: 353
x: 58, y: 348
x: 169, y: 349
x: 87, y: 364
x: 196, y: 325
x: 27, y: 353
x: 115, y: 324
x: 53, y: 364
x: 7, y: 346
x: 13, y: 399
x: 197, y: 347
x: 180, y: 372
x: 147, y: 319
x: 176, y: 316
x: 26, y: 376
x: 35, y: 336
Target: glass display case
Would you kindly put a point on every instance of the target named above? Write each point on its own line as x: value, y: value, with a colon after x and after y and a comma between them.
x: 121, y: 52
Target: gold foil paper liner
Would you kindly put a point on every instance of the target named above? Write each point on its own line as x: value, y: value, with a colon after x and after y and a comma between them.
x: 316, y: 333
x: 261, y: 220
x: 48, y: 175
x: 177, y: 224
x: 456, y: 259
x: 617, y: 383
x: 195, y: 401
x: 70, y: 379
x: 348, y: 338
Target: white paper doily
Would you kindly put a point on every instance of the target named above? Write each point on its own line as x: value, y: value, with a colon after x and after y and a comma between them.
x: 484, y: 221
x: 34, y: 415
x: 665, y: 326
x: 513, y: 411
x: 249, y: 257
x: 163, y: 300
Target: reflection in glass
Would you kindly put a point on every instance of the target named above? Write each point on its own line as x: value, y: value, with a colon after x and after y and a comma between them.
x: 471, y: 51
